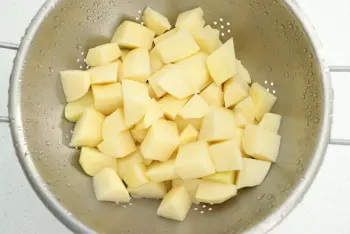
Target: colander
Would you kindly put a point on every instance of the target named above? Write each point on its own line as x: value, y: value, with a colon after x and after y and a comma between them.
x: 273, y: 40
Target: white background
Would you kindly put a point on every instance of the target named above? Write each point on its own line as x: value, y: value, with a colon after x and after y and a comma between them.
x: 325, y: 208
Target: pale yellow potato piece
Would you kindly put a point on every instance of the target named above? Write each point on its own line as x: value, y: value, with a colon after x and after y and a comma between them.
x: 88, y: 130
x: 132, y: 35
x: 189, y: 134
x: 75, y: 84
x: 119, y: 146
x: 222, y: 63
x: 131, y: 159
x: 193, y: 161
x: 253, y: 173
x: 175, y: 204
x: 138, y: 134
x: 183, y: 123
x: 93, y: 161
x: 261, y: 143
x: 162, y: 171
x: 137, y: 65
x: 217, y: 193
x: 263, y: 100
x: 191, y: 20
x: 124, y: 53
x: 247, y: 109
x: 155, y: 21
x: 235, y: 90
x: 151, y: 190
x: 107, y: 98
x: 172, y: 106
x: 213, y: 95
x: 109, y: 187
x: 75, y: 109
x: 103, y: 54
x: 161, y: 141
x: 166, y: 47
x: 242, y: 73
x: 135, y: 175
x: 271, y: 122
x: 169, y: 33
x: 105, y: 74
x: 153, y: 114
x: 154, y: 81
x: 227, y: 177
x: 190, y: 185
x: 155, y: 60
x: 208, y: 39
x: 113, y: 125
x: 195, y: 108
x: 226, y: 156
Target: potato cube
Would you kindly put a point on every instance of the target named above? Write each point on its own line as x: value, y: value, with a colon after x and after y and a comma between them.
x: 195, y: 108
x: 235, y: 90
x: 271, y: 122
x: 135, y: 176
x: 93, y: 161
x: 162, y: 171
x: 138, y: 134
x: 189, y: 134
x: 213, y: 95
x: 131, y: 159
x: 253, y: 173
x: 168, y: 53
x: 183, y: 123
x: 103, y: 54
x: 227, y: 177
x: 226, y: 156
x: 137, y: 65
x: 218, y: 125
x: 242, y: 73
x: 169, y: 33
x: 191, y: 20
x: 155, y: 60
x: 217, y: 193
x: 208, y: 39
x: 247, y: 109
x: 108, y: 98
x: 261, y: 143
x: 190, y: 185
x: 175, y: 204
x: 263, y: 100
x: 161, y: 141
x: 151, y: 190
x: 75, y: 109
x: 119, y: 146
x: 155, y: 21
x: 132, y: 35
x: 154, y: 81
x: 222, y: 63
x: 172, y: 106
x: 113, y: 125
x: 109, y: 187
x: 193, y: 161
x: 124, y: 52
x: 105, y: 74
x: 75, y: 84
x: 88, y: 130
x: 153, y: 114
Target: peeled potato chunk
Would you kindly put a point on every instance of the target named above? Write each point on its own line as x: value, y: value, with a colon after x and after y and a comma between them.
x: 88, y: 130
x: 247, y: 109
x: 169, y: 33
x: 155, y: 21
x: 137, y: 65
x: 263, y: 100
x: 242, y: 73
x: 131, y: 159
x: 162, y: 171
x: 153, y: 114
x: 151, y: 190
x: 226, y: 156
x: 227, y: 177
x: 113, y: 125
x: 135, y: 175
x: 132, y: 35
x: 139, y: 134
x: 235, y: 90
x: 213, y: 95
x: 208, y: 39
x: 103, y: 54
x: 195, y: 108
x: 183, y: 123
x: 155, y: 60
x: 253, y: 173
x: 75, y: 84
x: 261, y: 143
x: 222, y: 63
x: 217, y: 193
x: 191, y: 20
x: 119, y: 146
x: 93, y: 161
x: 172, y: 106
x: 189, y: 134
x: 190, y: 185
x: 271, y: 122
x: 109, y: 187
x: 175, y: 204
x: 105, y: 74
x: 107, y: 98
x: 75, y: 109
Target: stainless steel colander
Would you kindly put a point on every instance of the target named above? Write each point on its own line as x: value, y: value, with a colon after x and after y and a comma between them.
x: 275, y: 43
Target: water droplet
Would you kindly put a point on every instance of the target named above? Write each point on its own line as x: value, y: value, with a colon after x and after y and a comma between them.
x: 266, y: 13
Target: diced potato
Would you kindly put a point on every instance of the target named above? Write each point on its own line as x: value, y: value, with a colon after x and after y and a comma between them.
x: 183, y: 123
x: 227, y: 177
x: 154, y: 81
x: 124, y: 52
x: 175, y: 205
x: 105, y: 74
x: 88, y: 130
x: 190, y: 185
x: 263, y: 100
x: 75, y: 84
x: 103, y: 54
x: 93, y: 161
x: 217, y: 193
x: 247, y: 109
x: 189, y: 134
x: 169, y: 33
x: 161, y: 141
x: 131, y: 159
x: 260, y: 143
x: 196, y: 72
x: 162, y: 171
x: 193, y: 161
x: 136, y: 101
x: 107, y: 98
x: 172, y: 106
x: 138, y: 134
x: 166, y: 47
x: 135, y: 176
x: 113, y: 125
x: 75, y: 109
x: 119, y: 146
x: 195, y: 108
x: 235, y: 90
x: 208, y: 39
x: 151, y: 190
x: 222, y: 63
x: 218, y: 125
x: 155, y: 21
x: 137, y: 65
x: 242, y: 73
x: 226, y: 156
x: 213, y: 95
x: 191, y: 20
x: 109, y: 187
x: 156, y: 62
x: 153, y: 114
x: 271, y: 122
x: 132, y: 35
x: 253, y: 173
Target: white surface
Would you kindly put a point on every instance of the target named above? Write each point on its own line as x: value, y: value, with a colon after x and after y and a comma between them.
x: 325, y: 208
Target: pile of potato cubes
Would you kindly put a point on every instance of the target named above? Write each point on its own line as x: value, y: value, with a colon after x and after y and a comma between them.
x: 170, y: 116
